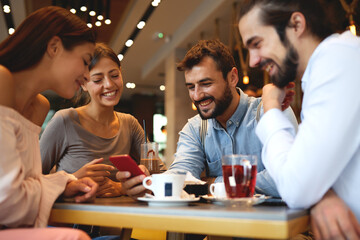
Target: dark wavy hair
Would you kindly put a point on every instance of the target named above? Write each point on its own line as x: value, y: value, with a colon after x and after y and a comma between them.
x: 101, y: 51
x: 27, y: 45
x: 208, y: 48
x: 277, y: 13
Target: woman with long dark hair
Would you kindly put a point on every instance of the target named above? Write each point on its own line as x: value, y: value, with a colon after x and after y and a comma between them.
x: 51, y: 49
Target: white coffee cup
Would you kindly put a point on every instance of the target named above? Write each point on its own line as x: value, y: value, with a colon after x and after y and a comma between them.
x: 165, y: 185
x: 218, y: 190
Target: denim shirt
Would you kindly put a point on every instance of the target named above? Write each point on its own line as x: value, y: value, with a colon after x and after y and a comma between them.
x: 238, y: 138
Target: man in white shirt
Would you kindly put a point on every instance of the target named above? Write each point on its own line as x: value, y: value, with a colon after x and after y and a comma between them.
x: 291, y: 40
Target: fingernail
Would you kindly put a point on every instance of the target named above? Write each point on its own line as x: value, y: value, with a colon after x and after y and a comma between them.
x: 142, y: 177
x: 127, y: 174
x: 87, y: 189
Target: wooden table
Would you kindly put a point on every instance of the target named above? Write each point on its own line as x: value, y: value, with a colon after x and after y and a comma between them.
x: 266, y: 222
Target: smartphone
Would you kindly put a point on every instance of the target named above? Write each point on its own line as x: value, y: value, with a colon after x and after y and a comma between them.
x: 126, y: 163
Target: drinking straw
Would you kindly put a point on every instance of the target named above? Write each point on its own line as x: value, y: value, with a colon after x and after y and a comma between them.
x: 144, y: 130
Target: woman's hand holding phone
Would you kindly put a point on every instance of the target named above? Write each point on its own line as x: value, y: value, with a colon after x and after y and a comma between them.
x: 131, y: 183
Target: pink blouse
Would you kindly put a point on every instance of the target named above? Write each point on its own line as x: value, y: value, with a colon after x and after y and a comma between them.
x: 26, y: 196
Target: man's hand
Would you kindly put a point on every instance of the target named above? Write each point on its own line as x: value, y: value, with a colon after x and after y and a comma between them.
x: 94, y: 170
x: 133, y: 187
x: 332, y: 219
x: 274, y: 97
x: 84, y: 189
x: 109, y: 188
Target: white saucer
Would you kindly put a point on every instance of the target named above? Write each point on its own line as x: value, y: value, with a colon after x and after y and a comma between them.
x: 235, y: 202
x: 168, y: 202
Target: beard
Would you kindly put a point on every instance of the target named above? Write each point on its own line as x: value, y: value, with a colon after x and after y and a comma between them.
x: 220, y: 104
x: 287, y: 70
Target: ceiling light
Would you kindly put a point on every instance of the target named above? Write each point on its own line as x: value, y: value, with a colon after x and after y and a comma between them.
x: 352, y: 29
x: 162, y: 88
x: 193, y: 106
x: 130, y: 85
x: 100, y: 17
x: 136, y: 31
x: 107, y: 21
x: 120, y: 57
x: 83, y: 8
x: 6, y: 9
x: 129, y: 43
x: 73, y: 10
x: 92, y: 13
x: 141, y: 25
x: 11, y: 31
x: 155, y: 3
x: 89, y: 25
x: 98, y: 23
x: 246, y: 79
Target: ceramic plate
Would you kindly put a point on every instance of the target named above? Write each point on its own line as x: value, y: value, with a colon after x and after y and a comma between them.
x: 170, y: 202
x: 257, y: 199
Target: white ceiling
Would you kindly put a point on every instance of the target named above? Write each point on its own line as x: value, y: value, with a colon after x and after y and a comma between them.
x: 183, y: 22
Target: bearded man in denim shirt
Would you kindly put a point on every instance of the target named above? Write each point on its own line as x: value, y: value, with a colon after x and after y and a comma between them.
x: 211, y: 78
x: 232, y: 116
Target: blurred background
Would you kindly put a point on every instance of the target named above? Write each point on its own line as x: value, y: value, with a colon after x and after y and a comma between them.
x: 151, y: 36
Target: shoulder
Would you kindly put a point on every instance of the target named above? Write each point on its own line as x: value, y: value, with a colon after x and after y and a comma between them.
x: 7, y: 87
x: 195, y: 121
x: 66, y: 113
x: 251, y: 102
x: 127, y: 118
x: 255, y: 107
x: 193, y: 125
x: 337, y: 47
x: 124, y: 115
x: 62, y: 116
x: 42, y: 107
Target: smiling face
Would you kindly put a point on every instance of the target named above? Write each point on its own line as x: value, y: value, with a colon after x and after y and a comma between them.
x: 106, y: 84
x: 208, y: 89
x: 266, y: 49
x: 71, y: 68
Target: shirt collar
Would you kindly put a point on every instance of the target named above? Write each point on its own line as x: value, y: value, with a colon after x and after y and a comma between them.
x: 239, y: 113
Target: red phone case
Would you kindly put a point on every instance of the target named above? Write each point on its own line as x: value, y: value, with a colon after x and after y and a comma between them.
x: 126, y: 163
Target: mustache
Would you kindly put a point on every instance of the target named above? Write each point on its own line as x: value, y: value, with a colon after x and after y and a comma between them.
x: 263, y: 63
x: 204, y: 99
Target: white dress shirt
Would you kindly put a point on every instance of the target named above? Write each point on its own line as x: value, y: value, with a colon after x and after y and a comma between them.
x: 325, y: 153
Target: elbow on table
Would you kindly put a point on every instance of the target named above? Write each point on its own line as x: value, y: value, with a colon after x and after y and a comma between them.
x: 298, y: 199
x: 298, y: 191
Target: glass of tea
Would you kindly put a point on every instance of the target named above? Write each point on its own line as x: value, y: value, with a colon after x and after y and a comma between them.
x: 150, y: 157
x: 239, y: 173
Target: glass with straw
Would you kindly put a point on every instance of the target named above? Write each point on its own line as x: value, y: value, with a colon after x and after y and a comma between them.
x: 150, y: 155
